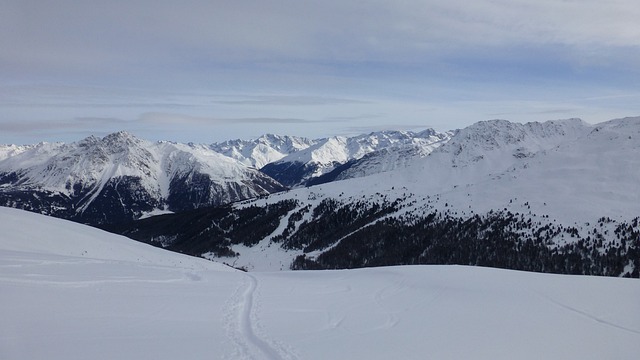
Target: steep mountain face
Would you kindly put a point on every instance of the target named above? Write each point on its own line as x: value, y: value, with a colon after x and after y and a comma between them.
x: 305, y: 167
x: 263, y: 150
x: 119, y: 178
x: 558, y: 196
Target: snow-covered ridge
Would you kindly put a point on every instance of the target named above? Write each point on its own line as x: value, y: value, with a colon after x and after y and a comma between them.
x: 263, y: 150
x: 484, y: 138
x: 326, y: 155
x: 323, y: 154
x: 342, y: 149
x: 392, y: 157
x: 94, y: 160
x: 12, y: 150
x: 566, y: 169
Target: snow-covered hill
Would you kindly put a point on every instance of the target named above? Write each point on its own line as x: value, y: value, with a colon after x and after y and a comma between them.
x: 74, y: 292
x: 120, y: 177
x: 326, y: 155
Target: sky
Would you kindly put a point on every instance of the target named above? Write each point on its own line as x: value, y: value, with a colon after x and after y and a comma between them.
x: 207, y: 71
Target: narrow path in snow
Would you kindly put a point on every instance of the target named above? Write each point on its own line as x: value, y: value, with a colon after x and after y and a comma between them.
x: 590, y: 316
x: 243, y: 322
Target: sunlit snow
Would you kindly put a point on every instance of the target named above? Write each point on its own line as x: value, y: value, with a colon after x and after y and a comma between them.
x: 74, y: 292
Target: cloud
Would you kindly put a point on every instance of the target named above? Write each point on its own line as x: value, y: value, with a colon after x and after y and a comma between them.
x: 104, y: 121
x: 81, y: 124
x: 354, y: 117
x: 288, y: 100
x: 85, y: 96
x: 136, y: 34
x: 20, y: 127
x: 159, y: 118
x: 29, y: 132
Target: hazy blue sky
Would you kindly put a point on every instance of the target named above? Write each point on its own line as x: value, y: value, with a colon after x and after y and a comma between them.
x: 205, y: 71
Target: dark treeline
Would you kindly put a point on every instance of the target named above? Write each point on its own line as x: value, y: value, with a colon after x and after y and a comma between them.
x: 205, y: 230
x: 352, y: 234
x: 501, y: 240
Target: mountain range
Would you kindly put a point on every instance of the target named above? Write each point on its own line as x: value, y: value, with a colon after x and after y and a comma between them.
x: 120, y: 177
x: 336, y: 154
x: 556, y: 196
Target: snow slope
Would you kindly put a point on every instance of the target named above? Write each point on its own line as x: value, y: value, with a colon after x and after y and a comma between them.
x: 568, y: 170
x: 73, y: 292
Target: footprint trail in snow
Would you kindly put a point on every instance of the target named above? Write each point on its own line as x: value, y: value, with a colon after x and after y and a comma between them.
x: 243, y: 324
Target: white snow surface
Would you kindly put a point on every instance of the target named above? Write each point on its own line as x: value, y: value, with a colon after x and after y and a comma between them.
x: 74, y: 292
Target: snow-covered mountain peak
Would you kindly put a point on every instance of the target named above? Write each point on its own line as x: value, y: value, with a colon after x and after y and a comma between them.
x: 120, y: 138
x: 263, y: 150
x: 119, y: 144
x: 280, y: 141
x: 332, y: 154
x: 12, y: 150
x: 71, y: 167
x: 496, y: 133
x: 629, y: 126
x: 482, y: 139
x: 340, y: 149
x: 127, y: 176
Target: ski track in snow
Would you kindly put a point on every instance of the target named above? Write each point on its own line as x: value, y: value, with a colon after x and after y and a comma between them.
x: 242, y: 325
x: 587, y: 315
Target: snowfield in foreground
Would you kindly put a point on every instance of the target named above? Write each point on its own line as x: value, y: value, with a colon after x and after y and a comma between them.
x: 74, y: 292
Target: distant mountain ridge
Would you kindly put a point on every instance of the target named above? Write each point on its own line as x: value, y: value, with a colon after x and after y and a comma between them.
x: 326, y: 155
x: 263, y: 150
x: 121, y: 177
